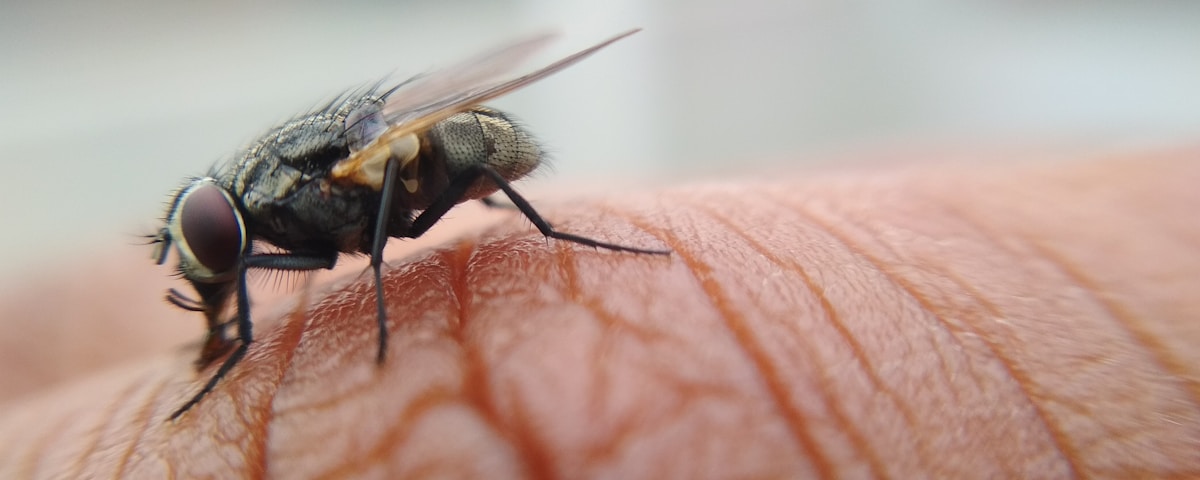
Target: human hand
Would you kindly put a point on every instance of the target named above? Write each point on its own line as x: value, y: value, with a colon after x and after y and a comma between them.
x: 1018, y: 321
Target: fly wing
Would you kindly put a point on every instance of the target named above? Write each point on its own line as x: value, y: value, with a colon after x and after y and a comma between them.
x: 423, y: 94
x: 437, y: 96
x: 423, y: 101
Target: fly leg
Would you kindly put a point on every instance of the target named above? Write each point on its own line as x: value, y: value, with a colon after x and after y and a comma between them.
x: 451, y: 196
x: 214, y: 344
x: 391, y: 177
x: 490, y: 202
x: 272, y: 261
x: 184, y: 302
x: 458, y: 187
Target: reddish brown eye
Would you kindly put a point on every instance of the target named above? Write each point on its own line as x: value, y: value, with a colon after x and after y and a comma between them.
x: 211, y: 227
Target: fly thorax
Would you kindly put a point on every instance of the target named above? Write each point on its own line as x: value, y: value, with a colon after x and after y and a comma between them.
x: 488, y: 137
x: 272, y: 181
x: 289, y: 158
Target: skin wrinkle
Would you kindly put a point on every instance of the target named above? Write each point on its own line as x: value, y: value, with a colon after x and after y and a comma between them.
x: 144, y: 417
x: 602, y: 380
x: 329, y: 404
x: 1025, y: 385
x: 293, y: 327
x: 1163, y: 222
x: 1019, y: 379
x: 1027, y: 321
x: 565, y: 260
x: 532, y: 456
x: 397, y: 433
x: 351, y: 337
x: 859, y: 352
x: 236, y: 444
x: 476, y: 384
x: 1120, y: 313
x: 593, y: 304
x: 1062, y: 266
x: 627, y: 435
x: 1125, y: 321
x: 641, y: 331
x: 336, y: 303
x: 520, y: 428
x: 592, y: 451
x: 256, y: 423
x: 864, y: 447
x: 1093, y: 293
x: 795, y: 420
x: 108, y: 415
x: 225, y: 439
x: 1128, y: 322
x: 30, y: 466
x: 84, y: 426
x: 1065, y: 450
x: 879, y: 266
x: 1068, y: 451
x: 895, y: 279
x: 333, y: 303
x: 459, y: 258
x: 626, y: 426
x: 503, y: 351
x: 285, y: 339
x: 624, y: 431
x: 451, y: 269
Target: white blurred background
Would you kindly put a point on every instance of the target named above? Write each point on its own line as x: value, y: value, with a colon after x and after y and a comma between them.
x: 106, y: 106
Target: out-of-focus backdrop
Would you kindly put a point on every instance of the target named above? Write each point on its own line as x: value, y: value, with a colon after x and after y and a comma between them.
x: 106, y: 106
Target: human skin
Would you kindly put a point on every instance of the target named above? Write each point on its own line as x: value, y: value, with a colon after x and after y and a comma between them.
x: 1018, y: 320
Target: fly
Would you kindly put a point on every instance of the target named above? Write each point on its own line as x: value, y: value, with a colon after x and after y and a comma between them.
x: 370, y: 165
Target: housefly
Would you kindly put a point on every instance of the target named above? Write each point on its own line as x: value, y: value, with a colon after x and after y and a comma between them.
x: 370, y: 165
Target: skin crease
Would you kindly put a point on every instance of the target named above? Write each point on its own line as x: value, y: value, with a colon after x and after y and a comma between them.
x: 1032, y: 320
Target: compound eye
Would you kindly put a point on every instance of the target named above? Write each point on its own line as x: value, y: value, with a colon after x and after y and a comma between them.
x: 212, y: 228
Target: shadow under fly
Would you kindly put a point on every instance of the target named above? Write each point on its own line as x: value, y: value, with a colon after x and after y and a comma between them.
x: 370, y: 165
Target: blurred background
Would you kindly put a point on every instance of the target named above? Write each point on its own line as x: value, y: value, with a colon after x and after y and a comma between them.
x: 106, y: 106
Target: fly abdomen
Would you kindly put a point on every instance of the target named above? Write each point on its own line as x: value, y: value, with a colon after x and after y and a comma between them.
x: 477, y: 136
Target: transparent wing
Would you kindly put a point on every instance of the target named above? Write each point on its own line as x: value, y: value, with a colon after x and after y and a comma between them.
x: 423, y: 101
x: 443, y: 93
x: 422, y: 94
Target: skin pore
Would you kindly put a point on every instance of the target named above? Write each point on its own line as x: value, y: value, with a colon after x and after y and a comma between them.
x: 1019, y: 320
